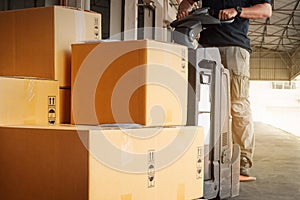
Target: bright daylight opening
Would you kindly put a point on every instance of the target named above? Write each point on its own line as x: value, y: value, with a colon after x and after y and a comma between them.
x: 277, y: 103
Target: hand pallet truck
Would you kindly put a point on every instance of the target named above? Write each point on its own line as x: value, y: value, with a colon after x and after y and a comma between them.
x: 209, y: 106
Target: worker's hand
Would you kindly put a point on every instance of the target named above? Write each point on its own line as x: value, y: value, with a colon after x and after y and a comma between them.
x: 227, y: 14
x: 184, y: 9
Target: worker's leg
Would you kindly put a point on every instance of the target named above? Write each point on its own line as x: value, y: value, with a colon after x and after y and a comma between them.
x: 237, y: 60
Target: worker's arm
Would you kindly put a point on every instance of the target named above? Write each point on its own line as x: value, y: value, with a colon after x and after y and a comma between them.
x: 258, y: 11
x: 185, y: 7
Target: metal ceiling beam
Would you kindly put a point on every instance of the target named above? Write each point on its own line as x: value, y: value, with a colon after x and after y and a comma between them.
x: 273, y: 24
x: 289, y: 21
x: 285, y: 10
x: 277, y: 36
x: 296, y: 50
x: 285, y: 13
x: 293, y: 62
x: 288, y: 66
x: 267, y: 49
x: 293, y: 76
x: 285, y: 5
x: 264, y: 34
x: 277, y: 33
x: 275, y: 45
x: 258, y: 36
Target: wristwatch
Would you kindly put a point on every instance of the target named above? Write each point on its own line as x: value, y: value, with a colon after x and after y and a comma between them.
x: 239, y: 10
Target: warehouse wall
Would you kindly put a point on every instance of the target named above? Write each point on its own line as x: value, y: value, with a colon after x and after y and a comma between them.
x: 270, y: 68
x: 296, y: 66
x: 274, y: 65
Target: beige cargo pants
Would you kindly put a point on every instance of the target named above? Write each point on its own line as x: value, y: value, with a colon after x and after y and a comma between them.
x: 237, y: 60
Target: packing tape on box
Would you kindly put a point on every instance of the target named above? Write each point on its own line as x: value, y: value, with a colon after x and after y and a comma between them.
x: 126, y: 147
x: 30, y: 92
x: 181, y: 192
x: 126, y: 197
x: 80, y: 26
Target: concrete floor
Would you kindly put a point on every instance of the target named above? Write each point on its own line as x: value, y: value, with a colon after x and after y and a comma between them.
x: 276, y: 166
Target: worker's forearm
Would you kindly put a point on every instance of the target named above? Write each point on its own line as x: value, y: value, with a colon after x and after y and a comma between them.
x: 187, y: 2
x: 184, y: 8
x: 258, y: 11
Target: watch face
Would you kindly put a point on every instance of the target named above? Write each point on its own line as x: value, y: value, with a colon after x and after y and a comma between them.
x: 239, y: 9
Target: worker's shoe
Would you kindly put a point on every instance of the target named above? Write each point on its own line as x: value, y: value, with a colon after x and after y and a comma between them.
x: 245, y: 166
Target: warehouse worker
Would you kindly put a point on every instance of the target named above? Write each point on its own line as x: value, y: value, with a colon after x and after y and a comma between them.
x: 234, y: 46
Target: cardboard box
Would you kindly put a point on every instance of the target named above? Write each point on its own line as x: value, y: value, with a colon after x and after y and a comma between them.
x: 142, y: 81
x: 28, y: 101
x: 36, y: 42
x: 64, y: 105
x: 147, y: 163
x: 43, y: 162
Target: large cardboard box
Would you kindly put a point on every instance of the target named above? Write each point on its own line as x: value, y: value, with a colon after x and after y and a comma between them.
x: 36, y: 42
x: 147, y: 163
x: 28, y: 101
x: 132, y: 163
x: 141, y: 81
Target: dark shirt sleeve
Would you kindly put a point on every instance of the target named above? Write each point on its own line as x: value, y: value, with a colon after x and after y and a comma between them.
x: 254, y: 2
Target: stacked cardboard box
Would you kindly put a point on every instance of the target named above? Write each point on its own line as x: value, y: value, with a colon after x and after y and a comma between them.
x: 135, y: 82
x: 53, y: 162
x: 142, y: 81
x: 28, y: 101
x: 37, y: 42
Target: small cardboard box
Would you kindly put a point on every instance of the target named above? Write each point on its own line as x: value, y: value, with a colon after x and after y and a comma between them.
x: 28, y: 101
x: 141, y: 81
x: 36, y: 42
x: 83, y: 163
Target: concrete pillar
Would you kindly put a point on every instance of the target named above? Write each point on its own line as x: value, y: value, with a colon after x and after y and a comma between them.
x: 87, y: 5
x: 159, y: 20
x: 149, y: 29
x: 81, y: 4
x: 130, y: 20
x: 115, y: 19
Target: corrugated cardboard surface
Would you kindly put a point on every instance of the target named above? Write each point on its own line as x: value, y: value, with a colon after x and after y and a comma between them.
x: 124, y: 174
x: 37, y: 42
x: 64, y: 105
x: 129, y: 82
x: 26, y: 101
x: 51, y: 162
x: 48, y: 164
